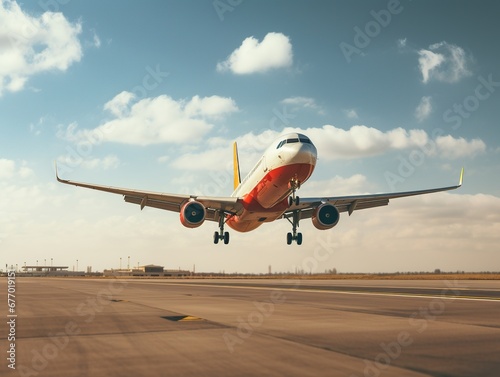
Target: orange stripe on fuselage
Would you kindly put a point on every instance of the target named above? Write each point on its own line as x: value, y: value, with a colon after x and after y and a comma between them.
x: 269, y: 198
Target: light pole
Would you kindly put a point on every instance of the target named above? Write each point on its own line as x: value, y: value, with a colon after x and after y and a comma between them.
x: 120, y: 263
x: 77, y: 265
x: 128, y: 263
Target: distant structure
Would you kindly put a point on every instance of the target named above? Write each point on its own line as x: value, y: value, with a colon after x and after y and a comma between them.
x: 50, y: 271
x: 149, y: 270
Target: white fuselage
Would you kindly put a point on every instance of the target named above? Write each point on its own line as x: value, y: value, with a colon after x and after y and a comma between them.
x: 266, y: 188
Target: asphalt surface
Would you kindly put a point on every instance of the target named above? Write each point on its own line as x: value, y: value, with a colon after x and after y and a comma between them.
x: 108, y: 327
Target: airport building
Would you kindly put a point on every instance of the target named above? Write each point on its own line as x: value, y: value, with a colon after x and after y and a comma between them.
x: 150, y: 270
x: 50, y: 271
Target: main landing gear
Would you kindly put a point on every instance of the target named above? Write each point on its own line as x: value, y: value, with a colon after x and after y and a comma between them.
x: 294, y: 235
x: 294, y: 185
x: 223, y: 236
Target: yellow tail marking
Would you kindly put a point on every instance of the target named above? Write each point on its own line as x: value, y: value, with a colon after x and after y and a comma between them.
x: 236, y: 166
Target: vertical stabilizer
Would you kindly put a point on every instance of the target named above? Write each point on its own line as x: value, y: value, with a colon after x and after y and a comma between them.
x: 236, y: 166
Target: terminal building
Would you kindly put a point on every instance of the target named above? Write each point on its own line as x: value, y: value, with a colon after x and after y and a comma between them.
x: 50, y: 271
x: 150, y: 270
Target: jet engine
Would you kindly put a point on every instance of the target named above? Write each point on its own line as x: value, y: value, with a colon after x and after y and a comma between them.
x: 326, y: 216
x: 192, y: 214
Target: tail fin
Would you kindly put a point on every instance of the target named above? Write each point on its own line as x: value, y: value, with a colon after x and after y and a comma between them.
x: 236, y: 166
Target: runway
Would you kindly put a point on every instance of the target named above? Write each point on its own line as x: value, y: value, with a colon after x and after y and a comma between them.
x: 352, y: 328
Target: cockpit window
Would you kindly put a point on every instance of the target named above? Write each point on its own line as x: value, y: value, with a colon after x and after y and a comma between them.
x: 302, y: 139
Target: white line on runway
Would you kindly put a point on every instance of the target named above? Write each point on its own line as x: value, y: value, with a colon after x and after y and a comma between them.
x: 308, y: 290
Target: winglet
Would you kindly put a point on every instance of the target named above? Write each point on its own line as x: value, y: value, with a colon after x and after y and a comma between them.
x: 461, y: 177
x: 57, y: 175
x: 236, y: 166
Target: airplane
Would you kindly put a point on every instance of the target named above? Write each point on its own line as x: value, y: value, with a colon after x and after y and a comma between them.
x: 266, y: 194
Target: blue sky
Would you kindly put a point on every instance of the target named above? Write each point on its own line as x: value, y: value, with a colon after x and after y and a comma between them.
x: 395, y: 95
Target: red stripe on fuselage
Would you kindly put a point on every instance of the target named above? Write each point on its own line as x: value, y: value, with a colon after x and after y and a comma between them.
x: 269, y: 198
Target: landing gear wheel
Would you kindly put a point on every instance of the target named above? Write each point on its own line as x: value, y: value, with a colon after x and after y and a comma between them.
x: 221, y: 235
x: 294, y: 235
x: 299, y: 239
x: 292, y: 201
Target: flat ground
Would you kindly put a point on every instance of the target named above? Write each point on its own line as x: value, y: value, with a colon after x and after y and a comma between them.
x: 108, y: 327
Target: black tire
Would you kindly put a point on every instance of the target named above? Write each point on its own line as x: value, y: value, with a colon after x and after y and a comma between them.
x: 226, y: 238
x: 216, y: 237
x: 297, y: 201
x: 289, y: 238
x: 299, y: 238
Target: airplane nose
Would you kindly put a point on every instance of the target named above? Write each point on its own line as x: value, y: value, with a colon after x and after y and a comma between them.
x: 304, y: 153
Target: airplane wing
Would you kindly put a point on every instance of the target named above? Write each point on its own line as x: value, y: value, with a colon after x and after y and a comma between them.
x: 169, y: 202
x: 356, y: 202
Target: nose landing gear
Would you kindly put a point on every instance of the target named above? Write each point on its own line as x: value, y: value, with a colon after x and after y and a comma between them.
x: 294, y: 235
x: 293, y: 185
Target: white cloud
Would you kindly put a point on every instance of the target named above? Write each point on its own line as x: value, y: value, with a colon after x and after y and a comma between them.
x: 31, y: 45
x: 9, y: 169
x: 361, y: 141
x: 443, y: 230
x: 119, y: 104
x: 443, y: 62
x: 275, y: 51
x: 451, y: 148
x: 402, y: 42
x: 25, y: 172
x: 217, y: 159
x: 163, y: 159
x: 106, y: 163
x: 423, y: 109
x: 300, y: 101
x: 210, y: 107
x: 428, y: 61
x: 96, y: 40
x: 332, y: 143
x: 351, y: 113
x: 154, y: 120
x: 303, y: 102
x: 356, y: 184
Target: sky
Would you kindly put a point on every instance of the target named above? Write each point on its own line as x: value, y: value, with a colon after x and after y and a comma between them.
x: 396, y: 95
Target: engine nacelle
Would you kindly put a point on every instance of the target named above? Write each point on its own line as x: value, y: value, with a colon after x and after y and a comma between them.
x: 326, y: 216
x: 192, y: 214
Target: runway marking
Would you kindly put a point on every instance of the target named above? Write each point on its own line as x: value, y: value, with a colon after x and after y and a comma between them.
x: 366, y: 293
x: 179, y: 318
